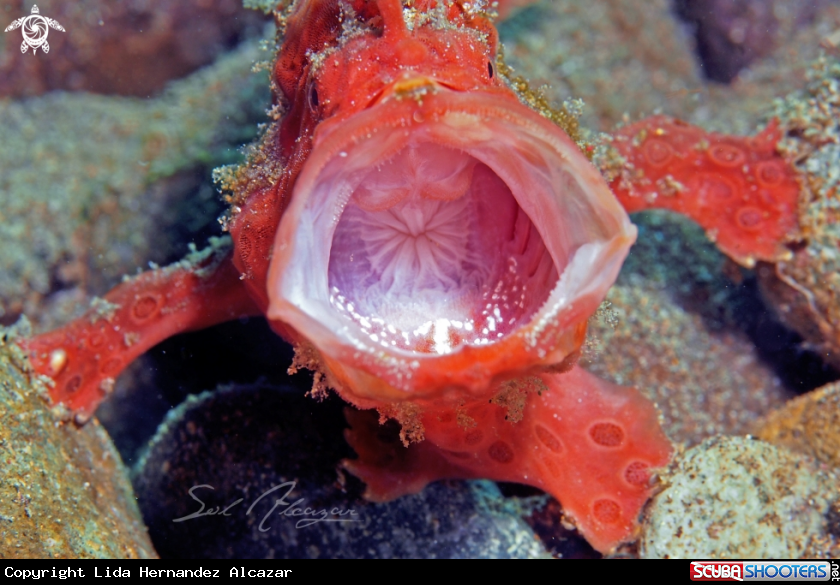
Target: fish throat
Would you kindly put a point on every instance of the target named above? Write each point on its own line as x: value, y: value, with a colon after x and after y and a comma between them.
x: 432, y: 252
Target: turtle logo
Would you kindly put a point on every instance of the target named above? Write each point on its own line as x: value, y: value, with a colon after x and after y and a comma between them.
x: 35, y: 30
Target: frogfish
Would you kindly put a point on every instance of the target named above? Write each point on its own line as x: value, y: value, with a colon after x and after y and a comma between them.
x: 431, y: 245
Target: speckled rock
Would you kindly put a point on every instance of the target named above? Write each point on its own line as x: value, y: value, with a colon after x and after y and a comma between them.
x: 809, y: 425
x: 618, y: 56
x: 748, y: 100
x: 634, y: 59
x: 241, y: 442
x: 674, y: 359
x: 733, y: 497
x: 805, y: 291
x: 671, y: 329
x: 64, y: 492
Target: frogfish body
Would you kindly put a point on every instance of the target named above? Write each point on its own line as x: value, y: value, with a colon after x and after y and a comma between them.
x: 432, y: 247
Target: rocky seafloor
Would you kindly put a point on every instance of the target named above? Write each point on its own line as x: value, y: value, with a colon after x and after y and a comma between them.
x: 96, y: 182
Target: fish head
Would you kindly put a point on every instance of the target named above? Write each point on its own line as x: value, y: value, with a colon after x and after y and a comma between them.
x: 339, y: 57
x: 441, y: 237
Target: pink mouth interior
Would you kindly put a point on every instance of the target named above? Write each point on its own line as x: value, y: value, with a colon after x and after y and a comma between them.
x: 432, y: 251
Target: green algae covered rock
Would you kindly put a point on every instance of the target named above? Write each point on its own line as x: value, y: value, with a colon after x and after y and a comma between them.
x: 89, y: 183
x: 64, y: 492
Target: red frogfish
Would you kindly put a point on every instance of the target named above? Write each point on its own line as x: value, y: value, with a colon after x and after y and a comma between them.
x: 432, y: 246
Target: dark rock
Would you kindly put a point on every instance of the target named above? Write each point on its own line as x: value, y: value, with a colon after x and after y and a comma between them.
x: 240, y: 442
x: 731, y: 34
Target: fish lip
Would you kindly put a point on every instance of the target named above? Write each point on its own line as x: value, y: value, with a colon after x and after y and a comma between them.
x: 299, y: 295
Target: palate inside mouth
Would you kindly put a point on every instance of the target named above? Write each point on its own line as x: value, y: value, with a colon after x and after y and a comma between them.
x: 432, y: 251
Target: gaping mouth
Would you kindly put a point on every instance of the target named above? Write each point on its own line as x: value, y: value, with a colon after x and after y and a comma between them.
x: 444, y: 243
x: 433, y: 252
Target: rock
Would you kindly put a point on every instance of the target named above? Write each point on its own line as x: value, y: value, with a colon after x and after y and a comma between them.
x: 627, y: 60
x: 94, y: 187
x: 241, y: 441
x: 673, y: 326
x: 739, y: 498
x: 619, y: 56
x: 64, y: 492
x: 676, y: 360
x: 809, y: 425
x: 732, y: 34
x: 805, y: 290
x: 126, y: 48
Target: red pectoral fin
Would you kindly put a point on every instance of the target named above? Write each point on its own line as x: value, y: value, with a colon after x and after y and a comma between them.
x: 739, y: 189
x: 85, y: 356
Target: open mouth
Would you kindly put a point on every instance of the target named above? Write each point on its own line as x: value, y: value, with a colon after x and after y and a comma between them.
x: 446, y: 242
x: 433, y: 252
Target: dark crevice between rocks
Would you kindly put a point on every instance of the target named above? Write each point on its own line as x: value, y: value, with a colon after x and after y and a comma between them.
x: 833, y: 519
x: 235, y: 352
x: 559, y: 538
x: 798, y: 367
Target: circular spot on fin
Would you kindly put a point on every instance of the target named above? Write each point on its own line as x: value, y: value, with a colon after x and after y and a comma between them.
x: 607, y: 434
x: 500, y: 452
x: 145, y: 307
x: 73, y: 384
x: 769, y: 173
x: 657, y: 152
x: 749, y: 218
x: 637, y: 474
x: 606, y: 511
x: 727, y: 155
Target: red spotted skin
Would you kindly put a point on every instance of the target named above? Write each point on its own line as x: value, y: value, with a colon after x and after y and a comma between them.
x: 739, y: 189
x: 588, y: 442
x: 85, y: 356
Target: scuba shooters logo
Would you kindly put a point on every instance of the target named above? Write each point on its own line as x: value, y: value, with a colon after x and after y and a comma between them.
x: 765, y: 571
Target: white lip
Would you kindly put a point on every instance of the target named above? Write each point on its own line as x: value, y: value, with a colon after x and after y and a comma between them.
x: 586, y: 231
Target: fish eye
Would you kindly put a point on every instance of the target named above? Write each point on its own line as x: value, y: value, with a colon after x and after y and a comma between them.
x: 313, y: 97
x: 490, y: 69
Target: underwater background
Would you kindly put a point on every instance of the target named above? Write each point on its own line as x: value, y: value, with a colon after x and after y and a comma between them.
x: 107, y: 147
